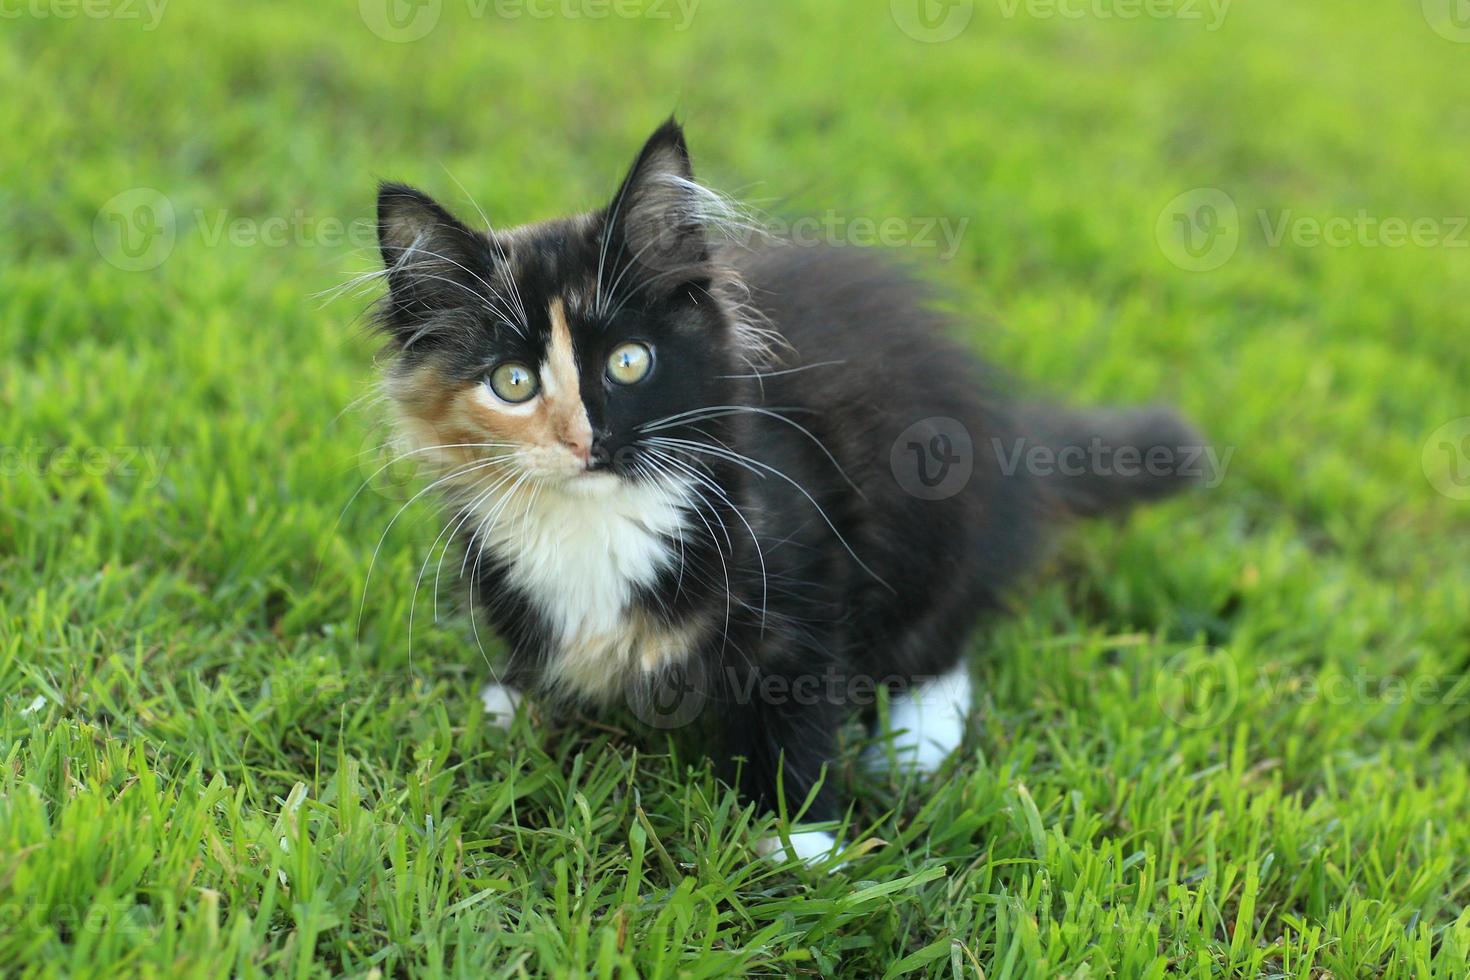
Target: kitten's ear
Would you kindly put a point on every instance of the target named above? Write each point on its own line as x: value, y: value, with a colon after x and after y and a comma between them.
x: 659, y: 214
x: 434, y: 261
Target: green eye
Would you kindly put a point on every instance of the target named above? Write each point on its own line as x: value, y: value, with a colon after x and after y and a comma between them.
x: 514, y: 383
x: 630, y: 364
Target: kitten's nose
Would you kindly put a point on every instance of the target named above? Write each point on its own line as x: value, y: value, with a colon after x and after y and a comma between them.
x: 576, y: 435
x: 581, y: 446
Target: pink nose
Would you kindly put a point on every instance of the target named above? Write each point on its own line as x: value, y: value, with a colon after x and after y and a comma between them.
x: 580, y: 447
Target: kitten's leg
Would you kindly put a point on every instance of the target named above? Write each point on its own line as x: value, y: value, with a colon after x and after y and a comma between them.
x: 785, y: 743
x: 500, y: 703
x: 928, y: 721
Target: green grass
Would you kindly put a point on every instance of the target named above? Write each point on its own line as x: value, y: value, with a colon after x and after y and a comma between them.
x: 207, y: 770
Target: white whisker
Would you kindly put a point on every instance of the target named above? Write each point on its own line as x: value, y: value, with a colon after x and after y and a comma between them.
x: 755, y: 466
x: 367, y: 580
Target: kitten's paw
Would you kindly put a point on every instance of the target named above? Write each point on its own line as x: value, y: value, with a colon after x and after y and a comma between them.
x: 809, y: 847
x: 500, y: 704
x: 928, y: 721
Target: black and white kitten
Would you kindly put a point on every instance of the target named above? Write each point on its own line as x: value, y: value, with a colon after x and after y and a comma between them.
x: 756, y: 477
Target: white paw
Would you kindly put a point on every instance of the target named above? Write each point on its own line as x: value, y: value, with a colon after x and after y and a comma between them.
x: 928, y: 722
x: 500, y: 704
x: 808, y: 847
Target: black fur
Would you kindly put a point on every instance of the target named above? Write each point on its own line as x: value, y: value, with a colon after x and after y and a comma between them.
x: 838, y: 567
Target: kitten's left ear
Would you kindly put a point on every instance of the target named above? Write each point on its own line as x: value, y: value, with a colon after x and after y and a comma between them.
x: 659, y: 215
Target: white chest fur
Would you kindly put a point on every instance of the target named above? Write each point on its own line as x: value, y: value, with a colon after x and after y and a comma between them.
x: 580, y: 556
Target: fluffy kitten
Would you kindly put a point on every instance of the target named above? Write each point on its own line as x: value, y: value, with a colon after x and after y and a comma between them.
x: 740, y: 484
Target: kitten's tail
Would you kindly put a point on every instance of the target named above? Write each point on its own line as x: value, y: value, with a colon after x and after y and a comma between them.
x: 1104, y: 461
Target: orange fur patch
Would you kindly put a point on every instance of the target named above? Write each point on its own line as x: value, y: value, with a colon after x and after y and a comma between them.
x: 591, y: 665
x: 561, y: 385
x: 550, y: 433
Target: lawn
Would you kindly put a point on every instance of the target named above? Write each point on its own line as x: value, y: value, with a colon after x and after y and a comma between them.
x: 1226, y: 738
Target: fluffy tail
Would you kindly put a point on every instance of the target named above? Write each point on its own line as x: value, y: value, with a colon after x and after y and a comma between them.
x: 1104, y: 461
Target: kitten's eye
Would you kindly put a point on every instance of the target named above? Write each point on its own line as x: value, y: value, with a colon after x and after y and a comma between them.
x: 630, y: 364
x: 514, y: 383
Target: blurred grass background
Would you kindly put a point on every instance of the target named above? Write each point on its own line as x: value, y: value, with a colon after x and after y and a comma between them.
x: 207, y: 769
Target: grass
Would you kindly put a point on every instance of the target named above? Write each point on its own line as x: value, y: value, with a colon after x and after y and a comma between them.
x: 1227, y: 739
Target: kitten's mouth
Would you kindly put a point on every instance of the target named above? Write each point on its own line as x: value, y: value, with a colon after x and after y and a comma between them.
x: 592, y: 480
x: 598, y: 470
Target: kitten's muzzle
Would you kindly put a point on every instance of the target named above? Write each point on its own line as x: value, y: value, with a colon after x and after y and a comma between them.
x: 582, y: 445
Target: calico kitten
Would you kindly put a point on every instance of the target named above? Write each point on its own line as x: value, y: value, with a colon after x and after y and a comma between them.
x: 752, y: 482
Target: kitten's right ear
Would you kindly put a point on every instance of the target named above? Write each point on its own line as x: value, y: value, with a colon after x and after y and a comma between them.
x: 658, y: 218
x: 434, y: 262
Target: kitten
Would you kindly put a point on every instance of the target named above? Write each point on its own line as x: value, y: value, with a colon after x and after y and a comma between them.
x: 741, y: 484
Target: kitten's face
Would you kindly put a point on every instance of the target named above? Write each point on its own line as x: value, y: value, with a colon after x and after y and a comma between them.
x: 546, y: 355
